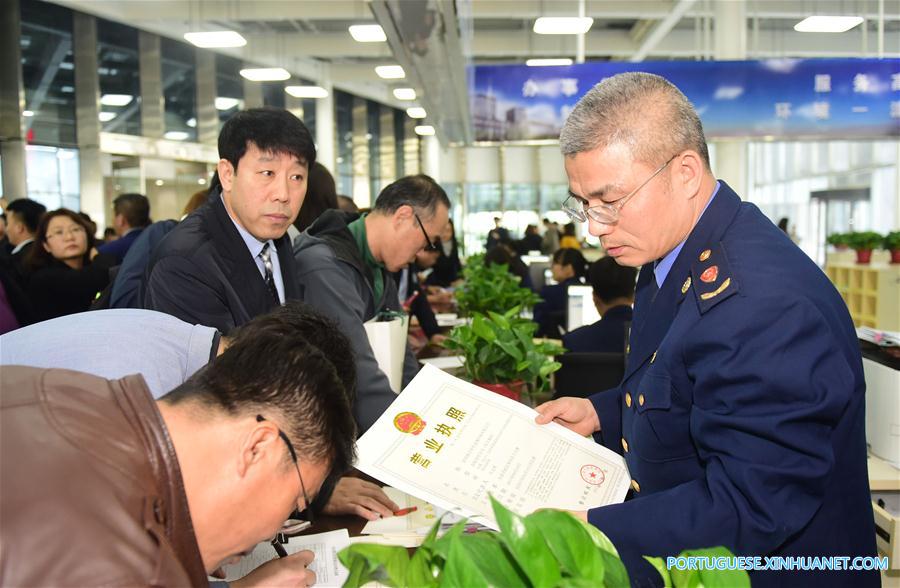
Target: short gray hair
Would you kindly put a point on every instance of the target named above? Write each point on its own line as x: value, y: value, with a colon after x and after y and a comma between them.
x: 643, y: 111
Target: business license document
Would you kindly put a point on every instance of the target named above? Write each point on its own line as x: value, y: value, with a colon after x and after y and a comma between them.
x: 453, y: 444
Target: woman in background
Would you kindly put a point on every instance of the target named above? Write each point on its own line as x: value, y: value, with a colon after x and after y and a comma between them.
x: 67, y: 271
x: 568, y: 268
x: 569, y: 240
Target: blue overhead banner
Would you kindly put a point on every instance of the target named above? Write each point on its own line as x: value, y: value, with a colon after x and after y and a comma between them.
x: 775, y: 98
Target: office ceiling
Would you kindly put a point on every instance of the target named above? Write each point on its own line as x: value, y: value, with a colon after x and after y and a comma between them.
x: 435, y: 39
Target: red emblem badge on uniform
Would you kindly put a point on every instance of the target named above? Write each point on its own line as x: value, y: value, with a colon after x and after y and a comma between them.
x: 710, y: 274
x: 592, y: 475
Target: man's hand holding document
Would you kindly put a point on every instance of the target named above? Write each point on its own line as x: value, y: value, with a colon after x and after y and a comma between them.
x: 454, y: 444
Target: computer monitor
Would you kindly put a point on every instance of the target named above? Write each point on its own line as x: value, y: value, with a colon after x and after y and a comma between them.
x: 580, y: 309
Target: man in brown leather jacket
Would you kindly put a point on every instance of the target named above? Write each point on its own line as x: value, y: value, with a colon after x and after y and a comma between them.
x: 102, y: 485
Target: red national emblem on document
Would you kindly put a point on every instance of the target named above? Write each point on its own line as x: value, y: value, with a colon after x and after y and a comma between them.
x: 409, y: 422
x: 592, y: 475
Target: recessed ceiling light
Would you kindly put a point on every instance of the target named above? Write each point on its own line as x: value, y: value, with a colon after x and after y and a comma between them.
x: 563, y: 25
x: 416, y: 112
x: 370, y: 33
x: 425, y: 130
x: 202, y: 181
x: 116, y: 99
x: 215, y: 39
x: 390, y: 72
x: 404, y: 94
x: 827, y: 24
x: 106, y: 116
x: 546, y: 62
x: 306, y: 91
x: 159, y: 182
x: 27, y: 113
x: 266, y: 74
x: 223, y: 103
x: 175, y: 136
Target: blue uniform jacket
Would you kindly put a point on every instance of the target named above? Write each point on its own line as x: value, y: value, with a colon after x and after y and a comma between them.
x: 741, y: 413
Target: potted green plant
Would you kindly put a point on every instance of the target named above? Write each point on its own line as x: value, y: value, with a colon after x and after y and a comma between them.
x: 547, y: 548
x: 840, y: 241
x: 863, y: 243
x: 491, y: 288
x: 892, y: 244
x: 500, y: 354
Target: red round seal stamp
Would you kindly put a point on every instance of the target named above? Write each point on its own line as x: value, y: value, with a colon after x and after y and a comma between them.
x: 592, y: 475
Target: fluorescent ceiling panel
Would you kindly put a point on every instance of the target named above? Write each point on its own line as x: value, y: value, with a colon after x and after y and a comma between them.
x: 563, y: 25
x: 215, y: 39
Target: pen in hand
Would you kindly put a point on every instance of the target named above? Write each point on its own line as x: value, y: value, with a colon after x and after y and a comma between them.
x: 277, y: 544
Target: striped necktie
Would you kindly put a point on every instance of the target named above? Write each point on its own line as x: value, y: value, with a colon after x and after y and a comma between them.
x: 270, y: 280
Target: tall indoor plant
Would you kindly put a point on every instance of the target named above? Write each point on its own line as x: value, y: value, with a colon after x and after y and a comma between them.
x: 547, y: 548
x: 500, y: 353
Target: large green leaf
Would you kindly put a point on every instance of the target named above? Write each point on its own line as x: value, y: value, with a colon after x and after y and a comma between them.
x: 419, y: 572
x: 361, y: 572
x: 511, y: 349
x: 383, y: 563
x: 600, y: 539
x: 526, y: 544
x: 442, y: 545
x: 482, y: 328
x: 570, y: 543
x: 615, y: 573
x: 479, y: 559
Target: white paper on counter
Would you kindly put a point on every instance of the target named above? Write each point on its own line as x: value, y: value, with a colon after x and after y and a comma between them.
x: 330, y: 572
x: 444, y: 362
x: 452, y: 444
x: 414, y: 523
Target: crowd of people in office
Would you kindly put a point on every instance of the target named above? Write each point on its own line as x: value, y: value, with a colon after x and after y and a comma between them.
x: 256, y: 376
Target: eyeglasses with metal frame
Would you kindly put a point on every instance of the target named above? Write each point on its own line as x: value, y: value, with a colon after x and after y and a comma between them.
x: 606, y: 213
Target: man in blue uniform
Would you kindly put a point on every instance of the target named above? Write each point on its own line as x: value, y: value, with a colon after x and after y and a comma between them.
x: 741, y: 413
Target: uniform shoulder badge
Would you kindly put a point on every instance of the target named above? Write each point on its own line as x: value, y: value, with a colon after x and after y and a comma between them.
x: 711, y: 277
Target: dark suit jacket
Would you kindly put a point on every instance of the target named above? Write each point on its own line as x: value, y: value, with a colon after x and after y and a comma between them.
x: 202, y: 272
x: 58, y: 290
x: 741, y: 414
x: 604, y: 336
x: 120, y: 246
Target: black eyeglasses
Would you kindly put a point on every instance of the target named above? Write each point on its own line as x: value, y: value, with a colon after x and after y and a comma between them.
x: 430, y: 244
x: 290, y: 447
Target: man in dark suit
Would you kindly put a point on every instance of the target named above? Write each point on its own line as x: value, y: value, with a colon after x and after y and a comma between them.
x: 23, y: 216
x: 131, y: 217
x: 741, y: 415
x: 230, y: 260
x: 613, y: 287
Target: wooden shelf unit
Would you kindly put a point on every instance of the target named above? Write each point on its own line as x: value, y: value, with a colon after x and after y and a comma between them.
x: 872, y: 292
